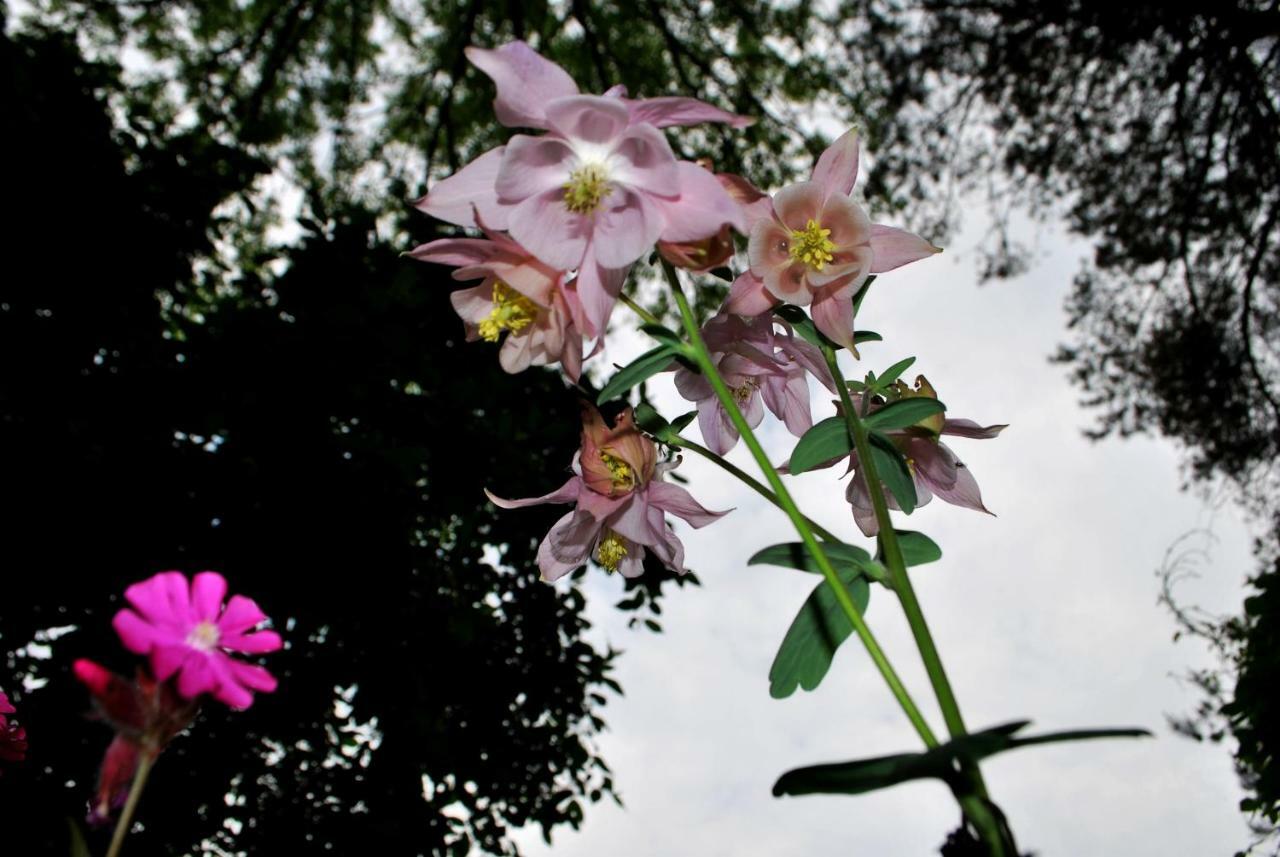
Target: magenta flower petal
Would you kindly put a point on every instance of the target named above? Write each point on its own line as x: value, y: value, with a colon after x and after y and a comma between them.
x: 666, y: 111
x: 168, y: 658
x: 526, y: 82
x: 455, y: 251
x: 837, y: 168
x: 257, y: 643
x: 208, y: 590
x: 471, y: 189
x: 892, y: 248
x: 135, y: 632
x: 240, y: 615
x: 593, y: 119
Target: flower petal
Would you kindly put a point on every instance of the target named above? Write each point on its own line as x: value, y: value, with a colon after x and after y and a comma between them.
x: 669, y: 110
x: 457, y: 198
x: 566, y: 493
x: 892, y: 248
x: 597, y: 288
x: 208, y: 589
x: 526, y: 82
x: 455, y: 251
x: 595, y: 119
x: 837, y: 168
x: 551, y: 231
x: 643, y: 159
x: 626, y: 227
x: 671, y: 498
x: 240, y: 615
x: 833, y: 315
x: 747, y: 296
x: 797, y: 204
x: 257, y: 643
x: 532, y: 165
x: 701, y: 209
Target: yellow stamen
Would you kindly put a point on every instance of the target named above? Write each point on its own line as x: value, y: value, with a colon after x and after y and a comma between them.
x: 511, y: 311
x: 586, y: 189
x: 812, y: 246
x: 742, y: 393
x: 623, y: 475
x: 613, y: 549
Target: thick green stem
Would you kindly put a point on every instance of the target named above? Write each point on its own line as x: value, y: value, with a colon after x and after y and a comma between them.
x: 975, y: 806
x: 703, y: 358
x: 145, y: 760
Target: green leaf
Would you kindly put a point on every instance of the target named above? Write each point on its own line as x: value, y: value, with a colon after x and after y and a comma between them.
x: 862, y: 293
x: 904, y: 412
x: 817, y: 631
x: 650, y: 420
x: 796, y: 555
x: 941, y: 762
x: 891, y: 374
x: 892, y: 469
x: 861, y: 336
x: 645, y: 366
x: 79, y: 848
x: 917, y: 548
x: 824, y: 441
x: 678, y: 424
x: 663, y: 335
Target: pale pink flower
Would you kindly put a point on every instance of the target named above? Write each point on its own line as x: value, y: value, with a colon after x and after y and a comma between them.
x: 763, y: 368
x: 187, y: 632
x: 935, y: 469
x: 146, y: 715
x: 519, y: 297
x: 819, y: 247
x: 13, y: 738
x: 621, y: 503
x: 597, y: 190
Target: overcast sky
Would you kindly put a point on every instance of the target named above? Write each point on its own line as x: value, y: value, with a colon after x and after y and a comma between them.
x: 1046, y: 612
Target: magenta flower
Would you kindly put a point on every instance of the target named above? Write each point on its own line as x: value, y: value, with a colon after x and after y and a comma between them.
x: 187, y: 632
x: 935, y: 469
x: 519, y: 296
x: 13, y: 738
x: 819, y: 247
x: 145, y: 714
x: 620, y: 504
x: 763, y: 368
x: 597, y: 190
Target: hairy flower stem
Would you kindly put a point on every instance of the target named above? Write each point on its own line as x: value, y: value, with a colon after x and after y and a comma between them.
x: 975, y: 806
x: 703, y: 358
x: 145, y: 761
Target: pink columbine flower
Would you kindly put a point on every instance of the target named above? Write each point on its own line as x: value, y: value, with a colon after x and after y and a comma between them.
x: 819, y: 247
x: 621, y: 503
x: 519, y: 296
x: 146, y: 715
x: 13, y: 738
x: 935, y: 469
x: 597, y: 190
x: 188, y: 633
x: 763, y: 368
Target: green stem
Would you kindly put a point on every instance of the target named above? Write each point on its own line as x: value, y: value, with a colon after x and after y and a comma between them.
x: 974, y: 805
x: 703, y: 358
x: 145, y: 761
x: 639, y: 310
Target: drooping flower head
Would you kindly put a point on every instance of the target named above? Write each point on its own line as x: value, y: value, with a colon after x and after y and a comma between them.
x: 763, y: 367
x: 620, y: 504
x: 13, y: 738
x: 520, y: 299
x: 597, y: 190
x: 935, y: 469
x: 188, y: 632
x: 146, y: 715
x: 819, y: 247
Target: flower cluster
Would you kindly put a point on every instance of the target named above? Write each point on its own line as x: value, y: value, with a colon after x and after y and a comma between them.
x: 13, y: 738
x: 935, y: 469
x: 620, y: 501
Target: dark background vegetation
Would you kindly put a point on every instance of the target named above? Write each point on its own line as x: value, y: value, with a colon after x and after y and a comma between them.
x: 215, y: 356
